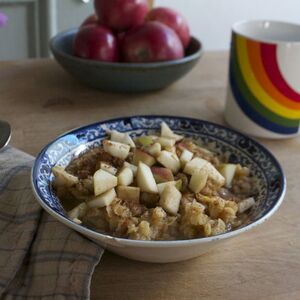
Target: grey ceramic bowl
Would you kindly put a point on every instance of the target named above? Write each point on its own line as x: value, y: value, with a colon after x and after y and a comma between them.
x: 122, y: 77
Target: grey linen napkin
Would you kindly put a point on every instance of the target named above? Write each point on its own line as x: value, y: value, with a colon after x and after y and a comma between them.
x: 40, y: 258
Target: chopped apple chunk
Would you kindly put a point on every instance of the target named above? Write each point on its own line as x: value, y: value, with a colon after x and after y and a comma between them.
x: 228, y: 171
x: 108, y: 168
x: 78, y: 211
x: 145, y: 179
x: 162, y: 186
x: 129, y: 193
x: 146, y: 140
x: 116, y: 149
x: 245, y: 204
x: 166, y: 142
x: 103, y: 200
x: 103, y: 181
x: 140, y: 155
x: 162, y: 174
x: 214, y: 174
x: 169, y: 160
x: 64, y: 178
x: 170, y: 199
x: 154, y: 149
x: 166, y: 131
x: 195, y: 163
x: 185, y: 157
x: 123, y: 138
x: 131, y: 166
x: 125, y: 177
x: 198, y: 180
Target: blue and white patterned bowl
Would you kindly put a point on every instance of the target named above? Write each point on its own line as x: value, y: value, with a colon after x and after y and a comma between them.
x: 271, y: 182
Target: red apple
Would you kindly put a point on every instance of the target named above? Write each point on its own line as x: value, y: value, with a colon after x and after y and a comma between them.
x: 92, y: 19
x: 96, y: 42
x: 173, y: 19
x: 151, y: 42
x: 122, y: 15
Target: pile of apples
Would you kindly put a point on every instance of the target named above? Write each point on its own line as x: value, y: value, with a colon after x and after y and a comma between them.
x: 132, y: 31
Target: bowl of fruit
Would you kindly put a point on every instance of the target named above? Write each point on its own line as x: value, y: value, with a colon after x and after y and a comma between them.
x: 128, y: 46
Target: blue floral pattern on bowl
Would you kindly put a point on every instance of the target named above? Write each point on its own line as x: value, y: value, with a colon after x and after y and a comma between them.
x: 240, y: 149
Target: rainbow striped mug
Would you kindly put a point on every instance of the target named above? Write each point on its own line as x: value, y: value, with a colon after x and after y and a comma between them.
x: 263, y: 97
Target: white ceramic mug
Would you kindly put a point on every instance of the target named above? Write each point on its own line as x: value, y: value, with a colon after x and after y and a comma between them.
x: 263, y: 97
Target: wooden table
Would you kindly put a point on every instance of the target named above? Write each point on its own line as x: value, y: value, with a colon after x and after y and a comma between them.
x: 41, y: 101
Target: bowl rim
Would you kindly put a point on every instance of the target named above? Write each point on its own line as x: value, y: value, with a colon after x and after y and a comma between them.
x: 164, y: 243
x: 95, y: 63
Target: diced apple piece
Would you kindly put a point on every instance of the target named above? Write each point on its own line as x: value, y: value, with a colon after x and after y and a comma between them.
x: 103, y: 200
x: 64, y: 178
x: 131, y: 166
x: 228, y: 171
x: 214, y: 174
x: 162, y: 174
x: 122, y: 137
x: 128, y: 193
x: 245, y: 204
x: 178, y: 185
x: 170, y: 200
x: 125, y: 177
x: 116, y: 149
x: 166, y: 131
x: 169, y: 160
x: 146, y: 140
x: 154, y: 149
x: 166, y: 142
x: 195, y: 163
x: 140, y: 155
x: 104, y: 181
x: 145, y: 179
x: 162, y: 186
x: 108, y: 168
x: 78, y: 211
x: 185, y: 157
x: 198, y: 180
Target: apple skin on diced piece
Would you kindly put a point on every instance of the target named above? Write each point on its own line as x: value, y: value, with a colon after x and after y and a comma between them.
x: 103, y: 200
x: 130, y: 166
x: 167, y: 132
x: 198, y: 180
x: 195, y: 163
x: 108, y: 168
x: 121, y: 137
x: 129, y: 193
x: 185, y: 157
x: 162, y: 174
x: 125, y: 177
x: 228, y: 171
x: 166, y: 142
x: 140, y: 155
x: 116, y: 149
x: 103, y: 181
x: 146, y: 140
x: 145, y: 179
x: 154, y: 149
x: 170, y: 200
x: 169, y: 160
x: 62, y: 177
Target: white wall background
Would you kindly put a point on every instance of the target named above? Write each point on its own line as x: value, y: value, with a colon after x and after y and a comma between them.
x: 211, y: 20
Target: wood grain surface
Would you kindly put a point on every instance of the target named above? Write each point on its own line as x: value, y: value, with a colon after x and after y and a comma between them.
x: 41, y: 101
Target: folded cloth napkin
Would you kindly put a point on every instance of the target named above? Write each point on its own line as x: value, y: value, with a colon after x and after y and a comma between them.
x: 40, y: 258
